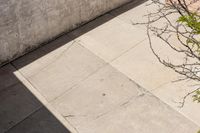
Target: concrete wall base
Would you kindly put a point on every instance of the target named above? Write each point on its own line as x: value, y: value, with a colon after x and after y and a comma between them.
x: 26, y: 24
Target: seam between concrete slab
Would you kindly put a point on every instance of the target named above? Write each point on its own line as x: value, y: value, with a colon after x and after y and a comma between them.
x: 162, y: 100
x: 151, y: 94
x: 106, y: 64
x: 9, y: 86
x: 53, y: 61
x: 119, y: 72
x: 139, y: 86
x: 146, y: 92
x: 68, y: 126
x: 27, y: 80
x: 141, y: 94
x: 143, y: 87
x: 159, y: 87
x: 109, y: 63
x: 81, y: 43
x: 31, y: 114
x: 131, y: 48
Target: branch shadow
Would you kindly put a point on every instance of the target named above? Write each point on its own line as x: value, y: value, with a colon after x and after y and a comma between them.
x: 20, y: 110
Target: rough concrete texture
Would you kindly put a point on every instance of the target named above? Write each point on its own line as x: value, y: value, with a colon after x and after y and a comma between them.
x: 97, y: 79
x: 25, y: 25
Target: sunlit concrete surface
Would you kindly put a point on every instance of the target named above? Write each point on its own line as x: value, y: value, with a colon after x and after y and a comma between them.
x: 99, y: 78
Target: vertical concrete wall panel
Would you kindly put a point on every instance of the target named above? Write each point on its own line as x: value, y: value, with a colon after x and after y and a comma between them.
x: 26, y: 24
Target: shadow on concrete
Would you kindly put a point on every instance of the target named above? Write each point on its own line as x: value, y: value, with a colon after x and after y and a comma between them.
x: 20, y: 110
x: 62, y: 40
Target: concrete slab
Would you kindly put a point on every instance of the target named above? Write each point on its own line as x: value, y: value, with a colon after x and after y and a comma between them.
x: 16, y: 103
x: 89, y: 95
x: 173, y: 93
x: 6, y: 76
x: 44, y: 102
x: 70, y: 66
x: 109, y: 102
x: 141, y: 65
x: 39, y: 59
x: 138, y: 11
x: 110, y: 39
x: 41, y: 121
x: 97, y: 95
x: 141, y: 115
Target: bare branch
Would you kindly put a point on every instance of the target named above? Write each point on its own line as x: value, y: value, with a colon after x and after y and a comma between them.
x: 186, y: 35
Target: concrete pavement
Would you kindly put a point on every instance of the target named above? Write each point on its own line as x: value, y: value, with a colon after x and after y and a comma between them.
x: 100, y: 78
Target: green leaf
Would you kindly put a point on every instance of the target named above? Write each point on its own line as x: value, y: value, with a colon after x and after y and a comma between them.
x: 196, y: 97
x: 192, y: 21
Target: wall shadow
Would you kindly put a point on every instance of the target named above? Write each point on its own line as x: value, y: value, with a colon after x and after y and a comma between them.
x: 62, y: 40
x: 20, y: 110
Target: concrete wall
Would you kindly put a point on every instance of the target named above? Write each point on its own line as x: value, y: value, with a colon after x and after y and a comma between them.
x: 25, y: 24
